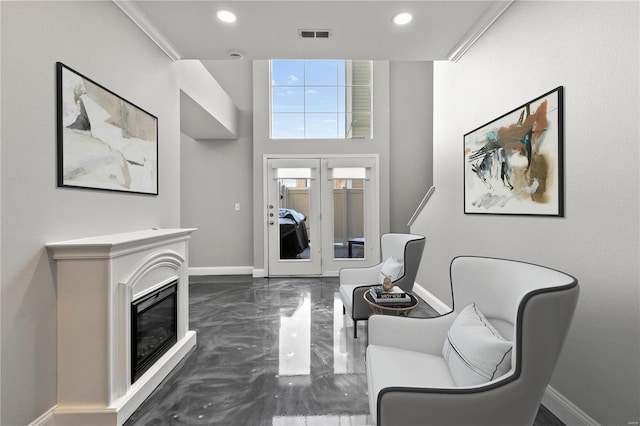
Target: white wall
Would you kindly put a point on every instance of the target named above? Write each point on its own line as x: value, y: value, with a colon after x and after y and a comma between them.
x: 206, y: 110
x: 411, y: 152
x: 98, y: 40
x: 592, y: 49
x: 217, y: 174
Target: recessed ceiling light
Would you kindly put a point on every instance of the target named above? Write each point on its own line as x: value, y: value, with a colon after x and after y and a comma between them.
x: 402, y: 18
x: 226, y: 16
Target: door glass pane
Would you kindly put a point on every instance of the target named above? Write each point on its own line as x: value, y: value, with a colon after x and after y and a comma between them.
x: 293, y: 212
x: 348, y: 217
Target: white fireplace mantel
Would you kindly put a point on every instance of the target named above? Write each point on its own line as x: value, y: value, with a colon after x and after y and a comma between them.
x: 97, y: 279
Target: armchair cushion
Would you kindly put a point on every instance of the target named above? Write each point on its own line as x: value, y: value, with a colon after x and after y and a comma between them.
x: 474, y: 350
x: 392, y: 268
x: 410, y: 334
x: 346, y: 294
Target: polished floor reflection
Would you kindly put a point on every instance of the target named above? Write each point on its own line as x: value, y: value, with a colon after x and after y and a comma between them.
x: 274, y: 352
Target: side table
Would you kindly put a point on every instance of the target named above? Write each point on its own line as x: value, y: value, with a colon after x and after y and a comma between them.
x: 390, y: 310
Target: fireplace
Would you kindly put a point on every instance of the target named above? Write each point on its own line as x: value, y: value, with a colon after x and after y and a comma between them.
x: 131, y: 291
x: 153, y: 327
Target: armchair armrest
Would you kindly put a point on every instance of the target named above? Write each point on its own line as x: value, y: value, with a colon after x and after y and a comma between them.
x: 364, y: 276
x: 499, y: 405
x: 417, y: 334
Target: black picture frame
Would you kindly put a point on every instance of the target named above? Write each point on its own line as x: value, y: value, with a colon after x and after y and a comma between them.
x: 514, y: 164
x: 104, y: 142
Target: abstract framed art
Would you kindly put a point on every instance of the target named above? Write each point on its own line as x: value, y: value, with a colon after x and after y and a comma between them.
x: 513, y: 165
x: 104, y: 142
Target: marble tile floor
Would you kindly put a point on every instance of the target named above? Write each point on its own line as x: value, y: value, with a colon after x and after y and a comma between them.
x: 274, y: 352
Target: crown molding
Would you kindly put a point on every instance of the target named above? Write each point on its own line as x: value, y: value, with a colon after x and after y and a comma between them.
x: 141, y: 20
x: 490, y: 16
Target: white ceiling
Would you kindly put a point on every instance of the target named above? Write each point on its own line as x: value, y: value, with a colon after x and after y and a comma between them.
x: 360, y: 29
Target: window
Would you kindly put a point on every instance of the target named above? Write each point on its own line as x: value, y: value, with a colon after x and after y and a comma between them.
x: 321, y: 99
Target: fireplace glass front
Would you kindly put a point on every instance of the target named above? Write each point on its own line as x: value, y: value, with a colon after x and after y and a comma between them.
x: 153, y: 327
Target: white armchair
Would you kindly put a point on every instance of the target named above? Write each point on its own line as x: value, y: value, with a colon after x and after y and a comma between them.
x: 354, y: 282
x: 411, y: 382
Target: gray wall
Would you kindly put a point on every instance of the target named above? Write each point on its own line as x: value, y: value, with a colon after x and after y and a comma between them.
x: 533, y: 48
x: 378, y: 144
x: 98, y: 40
x: 411, y: 153
x: 217, y: 174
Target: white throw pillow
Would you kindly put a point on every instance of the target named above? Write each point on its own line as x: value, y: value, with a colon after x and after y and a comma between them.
x: 474, y: 350
x: 393, y: 268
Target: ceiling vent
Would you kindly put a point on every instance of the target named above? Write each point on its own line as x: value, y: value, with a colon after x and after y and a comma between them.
x: 314, y: 33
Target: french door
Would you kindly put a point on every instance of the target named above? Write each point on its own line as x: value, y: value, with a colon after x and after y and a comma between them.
x: 293, y: 216
x: 321, y: 214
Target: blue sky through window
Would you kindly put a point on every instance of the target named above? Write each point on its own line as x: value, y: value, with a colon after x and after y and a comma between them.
x: 308, y: 99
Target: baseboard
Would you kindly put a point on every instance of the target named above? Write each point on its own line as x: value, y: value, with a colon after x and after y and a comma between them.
x: 555, y: 402
x: 566, y: 410
x: 259, y: 273
x: 222, y: 270
x: 437, y: 304
x: 45, y: 419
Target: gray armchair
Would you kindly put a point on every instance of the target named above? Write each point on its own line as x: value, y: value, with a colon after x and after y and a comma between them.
x: 354, y: 282
x: 411, y: 375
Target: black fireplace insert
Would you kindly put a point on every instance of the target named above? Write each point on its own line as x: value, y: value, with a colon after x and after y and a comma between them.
x: 154, y: 320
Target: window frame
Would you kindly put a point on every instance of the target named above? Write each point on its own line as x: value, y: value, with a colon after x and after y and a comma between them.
x: 344, y: 119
